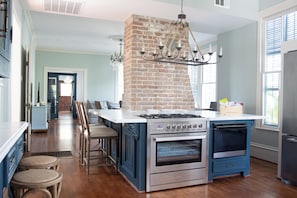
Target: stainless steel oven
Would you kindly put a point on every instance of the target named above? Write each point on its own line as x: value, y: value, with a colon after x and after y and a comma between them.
x: 176, y: 153
x: 229, y: 140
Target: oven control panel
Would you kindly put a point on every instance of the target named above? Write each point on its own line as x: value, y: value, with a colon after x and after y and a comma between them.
x: 176, y: 125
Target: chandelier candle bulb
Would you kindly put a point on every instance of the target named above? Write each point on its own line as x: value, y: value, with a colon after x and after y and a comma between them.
x: 221, y: 52
x: 161, y: 44
x: 179, y: 45
x: 142, y: 50
x: 169, y: 54
x: 210, y: 49
x: 195, y: 49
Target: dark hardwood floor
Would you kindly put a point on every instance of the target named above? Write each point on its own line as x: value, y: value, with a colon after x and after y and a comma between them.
x: 63, y: 135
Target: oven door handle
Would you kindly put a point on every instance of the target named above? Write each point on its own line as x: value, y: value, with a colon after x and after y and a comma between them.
x: 168, y: 139
x: 230, y: 126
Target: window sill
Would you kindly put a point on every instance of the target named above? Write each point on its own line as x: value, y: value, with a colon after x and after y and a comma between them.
x: 266, y: 128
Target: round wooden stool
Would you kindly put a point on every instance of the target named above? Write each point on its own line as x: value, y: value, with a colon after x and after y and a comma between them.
x: 39, y: 162
x: 32, y: 181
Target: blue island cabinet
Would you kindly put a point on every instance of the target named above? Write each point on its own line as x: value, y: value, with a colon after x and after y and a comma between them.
x: 228, y: 165
x: 1, y: 179
x: 10, y: 163
x: 133, y: 153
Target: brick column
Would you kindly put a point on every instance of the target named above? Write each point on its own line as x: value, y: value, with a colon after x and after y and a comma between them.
x: 151, y: 85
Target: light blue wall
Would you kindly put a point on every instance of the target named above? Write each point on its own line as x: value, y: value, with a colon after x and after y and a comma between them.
x: 263, y: 4
x: 237, y: 70
x: 237, y: 80
x: 100, y: 76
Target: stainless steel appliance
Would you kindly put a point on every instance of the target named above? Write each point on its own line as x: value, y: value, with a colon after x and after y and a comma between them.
x: 229, y: 140
x: 289, y: 124
x: 176, y: 151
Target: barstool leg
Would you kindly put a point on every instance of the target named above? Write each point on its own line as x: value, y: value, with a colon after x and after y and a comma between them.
x: 89, y: 155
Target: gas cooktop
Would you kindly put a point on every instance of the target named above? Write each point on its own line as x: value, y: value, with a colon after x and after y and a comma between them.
x: 173, y: 115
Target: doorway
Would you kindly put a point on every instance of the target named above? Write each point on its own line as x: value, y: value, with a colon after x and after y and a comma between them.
x: 61, y: 93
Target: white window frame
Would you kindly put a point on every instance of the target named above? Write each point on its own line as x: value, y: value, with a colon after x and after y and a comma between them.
x: 272, y: 12
x: 119, y: 82
x: 200, y: 82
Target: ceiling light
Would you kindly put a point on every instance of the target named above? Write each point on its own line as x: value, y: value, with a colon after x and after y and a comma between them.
x: 176, y: 49
x: 117, y: 58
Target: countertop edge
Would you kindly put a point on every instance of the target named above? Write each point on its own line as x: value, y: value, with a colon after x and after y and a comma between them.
x: 126, y: 116
x: 12, y: 140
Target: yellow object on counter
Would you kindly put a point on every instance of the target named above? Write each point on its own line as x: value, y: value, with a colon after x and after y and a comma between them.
x: 224, y: 100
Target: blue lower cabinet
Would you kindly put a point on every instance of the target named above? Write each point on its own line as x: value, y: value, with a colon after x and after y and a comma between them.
x: 229, y: 165
x: 11, y: 161
x: 133, y: 154
x: 1, y: 179
x: 232, y: 165
x: 19, y: 149
x: 114, y: 149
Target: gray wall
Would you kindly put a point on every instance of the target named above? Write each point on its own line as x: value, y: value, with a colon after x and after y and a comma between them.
x: 100, y: 76
x: 237, y: 70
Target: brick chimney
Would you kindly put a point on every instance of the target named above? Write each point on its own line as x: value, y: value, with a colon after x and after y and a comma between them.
x: 151, y: 85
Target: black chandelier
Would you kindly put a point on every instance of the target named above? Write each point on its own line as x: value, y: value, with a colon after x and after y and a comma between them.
x: 117, y: 58
x: 177, y: 50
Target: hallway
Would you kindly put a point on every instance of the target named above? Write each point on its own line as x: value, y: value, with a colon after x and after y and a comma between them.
x: 63, y: 135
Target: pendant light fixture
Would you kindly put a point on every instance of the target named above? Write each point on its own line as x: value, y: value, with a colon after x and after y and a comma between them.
x: 117, y: 58
x: 176, y: 49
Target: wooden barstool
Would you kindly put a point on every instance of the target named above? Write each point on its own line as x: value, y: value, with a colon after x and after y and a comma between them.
x: 39, y: 162
x: 81, y: 130
x: 48, y: 182
x: 98, y: 133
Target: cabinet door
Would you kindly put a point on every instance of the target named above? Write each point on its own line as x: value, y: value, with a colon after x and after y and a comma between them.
x: 133, y: 152
x: 114, y: 146
x: 5, y: 26
x: 1, y: 179
x: 20, y: 149
x: 129, y: 150
x: 39, y: 118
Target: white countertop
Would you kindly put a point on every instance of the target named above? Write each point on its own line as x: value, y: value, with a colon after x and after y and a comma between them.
x: 10, y: 132
x: 128, y: 116
x: 119, y: 115
x: 216, y: 116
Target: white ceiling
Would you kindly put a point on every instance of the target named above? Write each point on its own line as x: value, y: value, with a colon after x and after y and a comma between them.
x: 98, y: 20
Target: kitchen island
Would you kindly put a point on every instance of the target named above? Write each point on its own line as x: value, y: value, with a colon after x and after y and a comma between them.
x: 11, y: 151
x: 129, y: 116
x: 134, y: 143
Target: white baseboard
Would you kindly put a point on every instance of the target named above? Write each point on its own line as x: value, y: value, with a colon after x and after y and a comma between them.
x: 265, y: 152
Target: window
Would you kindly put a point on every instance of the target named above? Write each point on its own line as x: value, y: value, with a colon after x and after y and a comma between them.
x: 276, y: 30
x: 203, y: 83
x: 119, y: 84
x: 66, y: 89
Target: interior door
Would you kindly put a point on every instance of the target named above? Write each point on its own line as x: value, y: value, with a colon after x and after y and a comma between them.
x: 74, y: 115
x: 52, y: 95
x: 26, y: 97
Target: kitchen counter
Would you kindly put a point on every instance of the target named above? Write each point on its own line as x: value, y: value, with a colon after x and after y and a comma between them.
x: 128, y: 116
x: 119, y: 115
x: 10, y: 132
